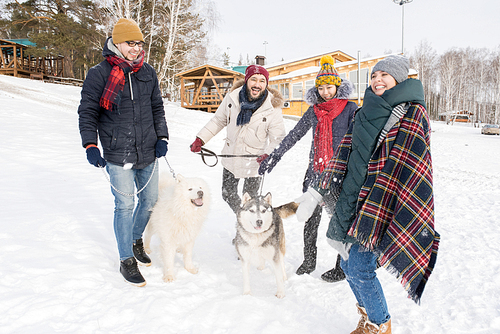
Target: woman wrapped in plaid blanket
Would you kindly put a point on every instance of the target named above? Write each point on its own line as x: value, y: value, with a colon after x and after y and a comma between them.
x: 378, y: 188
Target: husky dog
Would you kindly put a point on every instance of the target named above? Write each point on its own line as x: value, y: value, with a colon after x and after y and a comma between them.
x: 260, y: 237
x: 177, y: 218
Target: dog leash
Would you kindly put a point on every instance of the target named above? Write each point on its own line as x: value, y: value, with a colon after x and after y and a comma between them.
x: 205, y: 152
x: 147, y: 183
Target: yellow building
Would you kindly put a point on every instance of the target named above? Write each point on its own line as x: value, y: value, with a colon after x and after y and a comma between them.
x: 294, y: 78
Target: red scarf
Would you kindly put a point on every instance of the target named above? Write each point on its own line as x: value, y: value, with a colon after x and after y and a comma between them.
x: 323, y: 137
x: 112, y: 93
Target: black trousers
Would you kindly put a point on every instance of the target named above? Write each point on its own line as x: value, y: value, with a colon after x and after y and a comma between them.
x: 230, y: 188
x: 311, y: 232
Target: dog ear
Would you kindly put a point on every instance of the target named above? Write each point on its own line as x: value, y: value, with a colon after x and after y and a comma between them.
x: 268, y: 198
x: 246, y: 197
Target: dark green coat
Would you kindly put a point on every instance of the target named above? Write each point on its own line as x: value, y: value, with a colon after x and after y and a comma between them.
x: 368, y: 123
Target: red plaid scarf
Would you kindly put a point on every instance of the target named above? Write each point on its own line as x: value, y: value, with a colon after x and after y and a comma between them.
x: 323, y: 137
x: 111, y: 96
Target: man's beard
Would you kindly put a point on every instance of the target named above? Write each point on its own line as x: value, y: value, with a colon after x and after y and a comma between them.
x: 249, y: 94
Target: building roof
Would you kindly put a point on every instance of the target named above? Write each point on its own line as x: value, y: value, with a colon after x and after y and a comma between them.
x: 297, y: 73
x: 200, y: 71
x: 315, y: 69
x: 296, y: 60
x: 23, y: 41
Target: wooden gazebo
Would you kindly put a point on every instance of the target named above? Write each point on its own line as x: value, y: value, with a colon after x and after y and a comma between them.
x: 16, y: 61
x: 204, y: 87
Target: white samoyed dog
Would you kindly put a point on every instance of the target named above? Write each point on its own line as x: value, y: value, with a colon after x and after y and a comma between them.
x: 182, y: 207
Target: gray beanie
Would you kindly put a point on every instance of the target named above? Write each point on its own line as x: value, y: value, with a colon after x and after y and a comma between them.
x: 397, y: 66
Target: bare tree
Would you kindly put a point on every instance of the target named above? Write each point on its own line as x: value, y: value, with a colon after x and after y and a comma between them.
x: 448, y: 68
x: 495, y: 83
x: 175, y: 32
x: 423, y: 60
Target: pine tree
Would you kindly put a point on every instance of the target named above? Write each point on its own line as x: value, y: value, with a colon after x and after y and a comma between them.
x: 57, y: 27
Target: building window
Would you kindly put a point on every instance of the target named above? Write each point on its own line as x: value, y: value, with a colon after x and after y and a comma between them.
x: 343, y: 76
x: 297, y: 91
x: 309, y: 85
x: 363, y: 82
x: 275, y: 87
x: 284, y: 90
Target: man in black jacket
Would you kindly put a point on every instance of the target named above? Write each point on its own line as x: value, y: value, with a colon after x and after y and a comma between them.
x: 122, y: 104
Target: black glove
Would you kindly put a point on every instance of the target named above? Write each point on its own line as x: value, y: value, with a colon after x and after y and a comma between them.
x: 94, y: 156
x: 268, y: 164
x: 161, y: 148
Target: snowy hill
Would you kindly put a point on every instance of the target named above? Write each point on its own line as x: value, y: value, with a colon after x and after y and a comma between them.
x: 59, y: 262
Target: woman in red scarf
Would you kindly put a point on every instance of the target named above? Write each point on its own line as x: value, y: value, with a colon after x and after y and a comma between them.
x: 329, y: 118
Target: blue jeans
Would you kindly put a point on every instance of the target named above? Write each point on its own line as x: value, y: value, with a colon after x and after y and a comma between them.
x: 129, y: 224
x: 360, y: 273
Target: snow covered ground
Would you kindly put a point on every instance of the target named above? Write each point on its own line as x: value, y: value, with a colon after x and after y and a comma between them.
x: 59, y: 262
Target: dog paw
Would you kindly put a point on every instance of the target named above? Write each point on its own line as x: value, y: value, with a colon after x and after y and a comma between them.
x: 147, y: 250
x: 261, y: 267
x: 247, y: 292
x: 192, y: 270
x: 280, y: 294
x: 169, y: 278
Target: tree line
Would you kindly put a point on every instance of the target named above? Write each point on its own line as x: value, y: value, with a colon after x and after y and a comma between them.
x: 460, y: 79
x: 175, y: 31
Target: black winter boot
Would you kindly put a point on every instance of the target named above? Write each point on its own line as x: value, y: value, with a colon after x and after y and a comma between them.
x: 309, y: 263
x: 139, y: 253
x: 334, y: 275
x: 129, y: 270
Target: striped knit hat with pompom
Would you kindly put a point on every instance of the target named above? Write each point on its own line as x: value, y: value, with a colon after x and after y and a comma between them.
x: 327, y: 75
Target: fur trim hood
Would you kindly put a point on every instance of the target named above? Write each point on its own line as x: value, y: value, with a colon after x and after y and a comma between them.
x: 277, y: 100
x: 343, y: 92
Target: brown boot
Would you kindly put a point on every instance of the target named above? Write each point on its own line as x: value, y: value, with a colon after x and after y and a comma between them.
x: 360, y: 329
x: 371, y: 328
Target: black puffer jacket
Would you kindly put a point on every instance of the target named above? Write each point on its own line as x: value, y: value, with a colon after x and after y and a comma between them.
x: 129, y: 134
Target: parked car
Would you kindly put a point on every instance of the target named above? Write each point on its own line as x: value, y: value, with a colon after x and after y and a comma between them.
x: 490, y: 129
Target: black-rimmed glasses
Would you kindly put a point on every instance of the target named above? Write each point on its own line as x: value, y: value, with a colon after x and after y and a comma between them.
x: 132, y: 44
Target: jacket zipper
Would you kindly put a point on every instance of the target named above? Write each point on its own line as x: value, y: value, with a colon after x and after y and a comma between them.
x: 130, y: 83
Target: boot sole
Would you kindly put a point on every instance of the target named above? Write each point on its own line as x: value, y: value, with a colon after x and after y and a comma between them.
x: 143, y: 264
x: 136, y: 284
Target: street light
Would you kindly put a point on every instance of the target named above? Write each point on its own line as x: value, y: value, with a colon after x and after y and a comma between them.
x: 265, y: 48
x: 401, y: 3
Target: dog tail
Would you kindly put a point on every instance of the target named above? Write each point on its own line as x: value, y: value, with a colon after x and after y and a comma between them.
x: 287, y: 210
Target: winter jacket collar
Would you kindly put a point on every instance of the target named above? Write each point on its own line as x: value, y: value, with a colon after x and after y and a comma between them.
x: 343, y: 92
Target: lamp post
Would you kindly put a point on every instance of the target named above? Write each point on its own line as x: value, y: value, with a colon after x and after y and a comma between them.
x: 265, y: 48
x: 402, y: 3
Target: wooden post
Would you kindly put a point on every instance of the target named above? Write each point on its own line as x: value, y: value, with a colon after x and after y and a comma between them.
x: 15, y: 59
x: 196, y: 96
x: 183, y: 94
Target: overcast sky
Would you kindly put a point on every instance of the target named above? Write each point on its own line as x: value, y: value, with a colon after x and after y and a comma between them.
x: 298, y: 28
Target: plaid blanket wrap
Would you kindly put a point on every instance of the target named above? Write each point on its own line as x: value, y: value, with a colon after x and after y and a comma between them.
x: 395, y: 210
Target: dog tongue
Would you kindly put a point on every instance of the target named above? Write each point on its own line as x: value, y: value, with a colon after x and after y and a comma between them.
x: 198, y: 201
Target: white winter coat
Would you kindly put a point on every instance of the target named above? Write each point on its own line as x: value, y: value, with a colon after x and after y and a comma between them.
x: 261, y: 135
